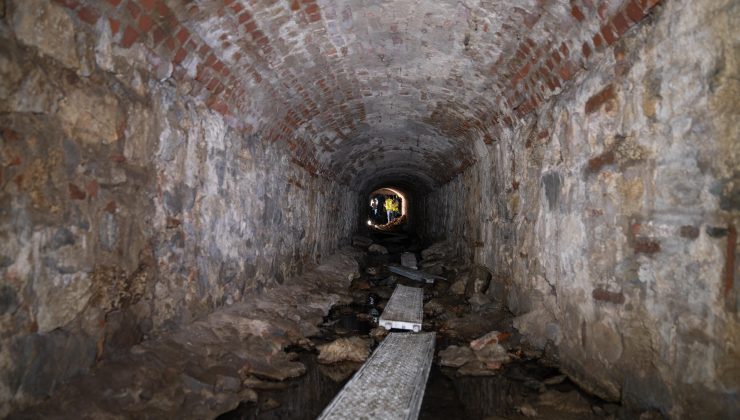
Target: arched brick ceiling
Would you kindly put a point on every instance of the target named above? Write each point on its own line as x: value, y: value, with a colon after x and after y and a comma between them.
x: 364, y: 89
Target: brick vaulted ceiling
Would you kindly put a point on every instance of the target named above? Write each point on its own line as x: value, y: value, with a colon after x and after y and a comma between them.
x: 369, y: 89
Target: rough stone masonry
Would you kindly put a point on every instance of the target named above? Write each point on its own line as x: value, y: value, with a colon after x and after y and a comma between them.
x: 163, y: 159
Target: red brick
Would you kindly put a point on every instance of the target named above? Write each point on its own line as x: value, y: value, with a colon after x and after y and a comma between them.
x: 556, y: 57
x: 690, y: 232
x: 133, y: 9
x: 599, y: 98
x: 129, y: 37
x: 75, y: 193
x: 598, y: 42
x: 114, y: 3
x: 158, y: 35
x: 586, y: 49
x: 608, y: 34
x: 567, y: 71
x: 646, y: 246
x: 182, y: 35
x: 634, y: 11
x: 564, y: 49
x: 92, y: 188
x: 148, y: 5
x: 250, y: 26
x: 219, y: 107
x: 117, y: 158
x: 111, y: 207
x: 203, y: 74
x: 145, y: 23
x: 114, y: 25
x: 595, y: 164
x: 173, y: 223
x: 88, y: 15
x: 607, y: 296
x: 576, y: 12
x: 69, y: 4
x: 162, y: 9
x: 294, y: 5
x: 620, y: 23
x: 648, y: 4
x: 170, y: 44
x: 244, y: 17
x: 312, y: 8
x: 180, y: 56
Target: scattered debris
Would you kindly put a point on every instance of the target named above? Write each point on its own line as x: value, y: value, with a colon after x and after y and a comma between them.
x: 414, y: 274
x: 438, y: 257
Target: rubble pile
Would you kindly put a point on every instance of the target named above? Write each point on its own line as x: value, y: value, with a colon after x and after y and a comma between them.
x: 438, y: 257
x: 484, y: 356
x: 213, y: 364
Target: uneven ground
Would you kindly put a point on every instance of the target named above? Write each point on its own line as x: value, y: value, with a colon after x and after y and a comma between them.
x: 528, y: 386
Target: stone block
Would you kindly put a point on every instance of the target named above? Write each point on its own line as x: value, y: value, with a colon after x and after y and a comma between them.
x: 90, y: 117
x: 44, y: 25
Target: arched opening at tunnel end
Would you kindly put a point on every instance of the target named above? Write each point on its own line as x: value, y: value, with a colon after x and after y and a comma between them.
x: 388, y: 209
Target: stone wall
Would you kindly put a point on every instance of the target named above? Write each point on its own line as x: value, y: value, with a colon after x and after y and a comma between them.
x: 613, y: 212
x: 126, y: 205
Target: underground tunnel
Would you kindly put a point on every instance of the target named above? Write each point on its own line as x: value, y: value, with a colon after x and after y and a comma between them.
x: 185, y: 191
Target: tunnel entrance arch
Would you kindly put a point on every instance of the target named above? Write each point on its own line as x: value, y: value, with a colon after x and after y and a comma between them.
x: 388, y: 208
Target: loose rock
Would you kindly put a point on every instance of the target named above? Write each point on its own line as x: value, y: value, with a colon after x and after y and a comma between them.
x: 555, y: 380
x: 488, y: 339
x: 478, y: 281
x: 433, y: 308
x: 378, y: 334
x: 527, y: 410
x: 361, y: 241
x: 455, y: 356
x: 353, y: 349
x: 458, y: 287
x: 377, y: 249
